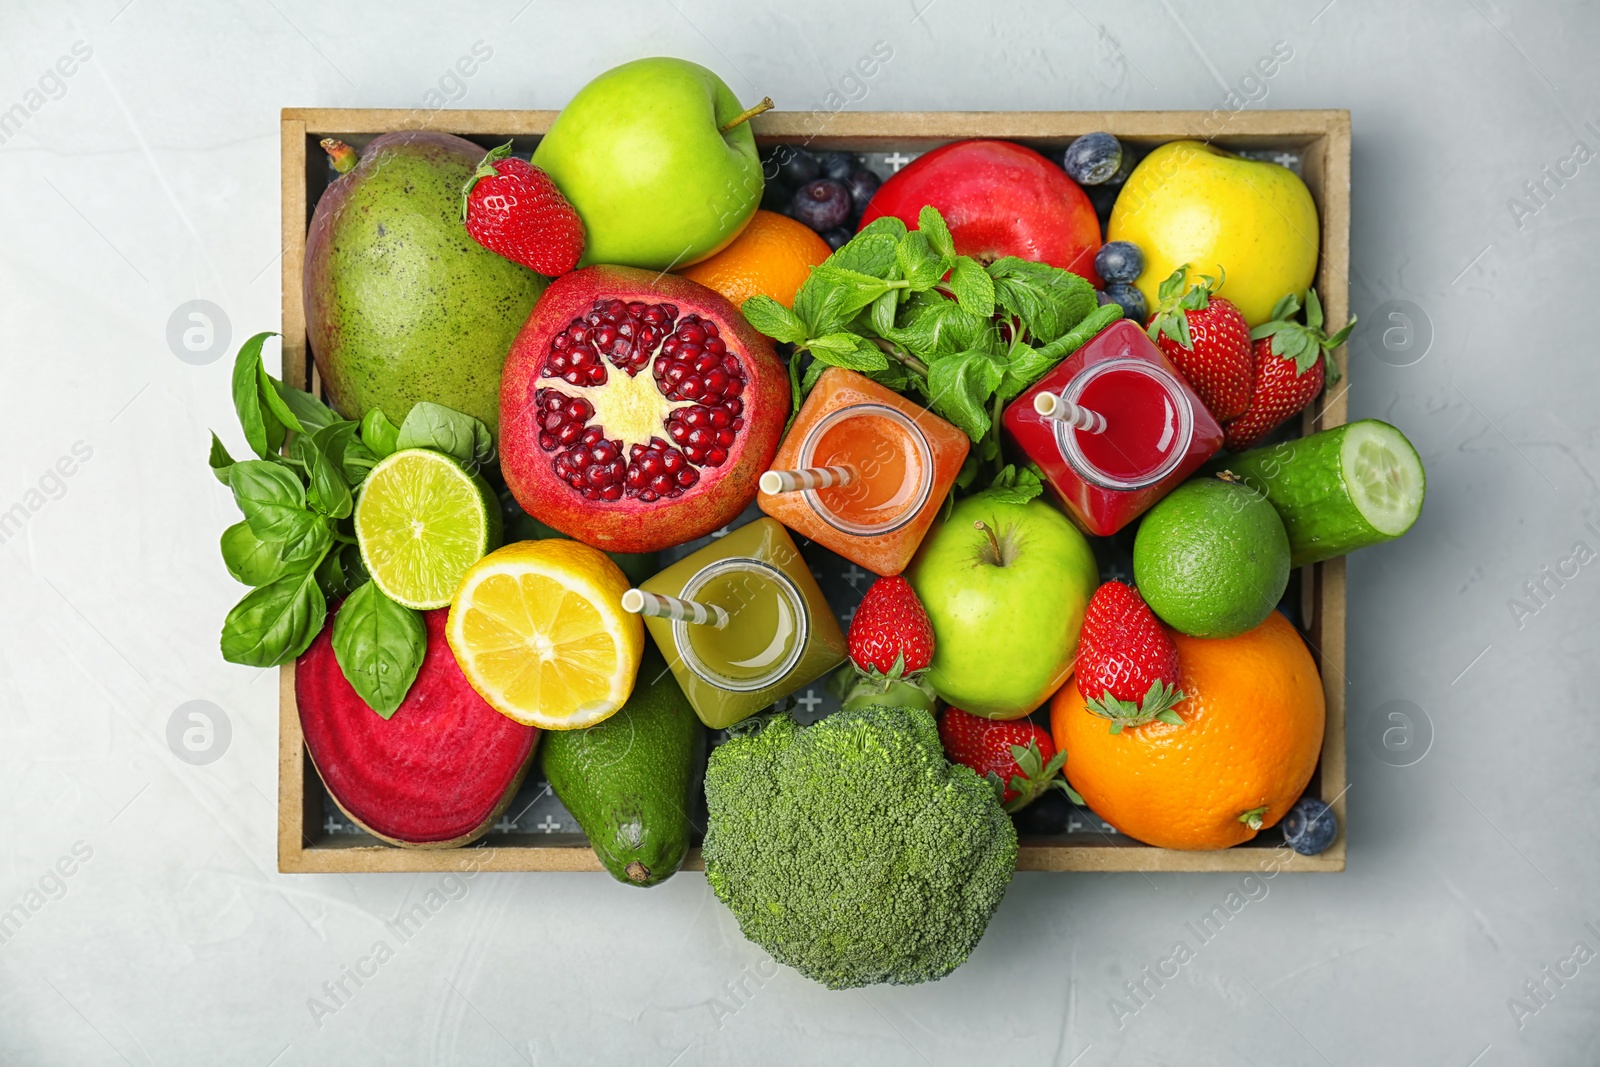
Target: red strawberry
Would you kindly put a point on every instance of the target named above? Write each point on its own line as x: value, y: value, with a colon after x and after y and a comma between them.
x: 1289, y: 361
x: 1127, y: 664
x: 1207, y: 339
x: 891, y: 634
x: 513, y: 208
x: 1018, y: 758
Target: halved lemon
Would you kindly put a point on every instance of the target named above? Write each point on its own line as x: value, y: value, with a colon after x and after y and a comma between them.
x: 539, y: 631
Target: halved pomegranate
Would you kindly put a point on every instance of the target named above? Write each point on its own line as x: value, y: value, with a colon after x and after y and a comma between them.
x: 638, y: 410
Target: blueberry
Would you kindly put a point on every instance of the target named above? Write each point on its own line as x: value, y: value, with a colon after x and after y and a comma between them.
x: 1093, y: 158
x: 836, y: 165
x: 822, y: 204
x: 796, y: 166
x: 1310, y: 826
x: 1046, y: 816
x: 1119, y: 261
x: 863, y: 186
x: 1131, y: 299
x: 837, y: 237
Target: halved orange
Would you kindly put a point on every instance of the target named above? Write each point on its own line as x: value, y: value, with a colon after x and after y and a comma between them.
x: 539, y: 631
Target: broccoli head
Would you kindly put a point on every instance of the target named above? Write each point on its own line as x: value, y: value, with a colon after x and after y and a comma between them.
x: 851, y: 850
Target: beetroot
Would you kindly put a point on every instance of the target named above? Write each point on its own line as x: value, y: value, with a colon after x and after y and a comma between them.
x: 638, y: 410
x: 434, y: 775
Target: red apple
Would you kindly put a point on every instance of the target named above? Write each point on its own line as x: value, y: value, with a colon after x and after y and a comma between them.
x: 999, y: 199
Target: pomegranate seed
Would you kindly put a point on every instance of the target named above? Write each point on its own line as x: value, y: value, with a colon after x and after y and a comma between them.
x: 716, y: 457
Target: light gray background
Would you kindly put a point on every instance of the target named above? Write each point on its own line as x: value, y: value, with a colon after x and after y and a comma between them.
x: 154, y: 181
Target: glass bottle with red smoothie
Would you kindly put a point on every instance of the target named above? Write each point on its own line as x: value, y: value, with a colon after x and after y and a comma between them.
x: 1152, y: 431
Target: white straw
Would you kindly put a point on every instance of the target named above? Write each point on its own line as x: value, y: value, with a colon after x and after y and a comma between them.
x: 657, y: 606
x: 1052, y: 406
x: 808, y: 478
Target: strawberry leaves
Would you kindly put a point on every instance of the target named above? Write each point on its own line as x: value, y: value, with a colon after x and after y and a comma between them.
x: 1303, y: 343
x: 1156, y: 704
x: 1033, y: 779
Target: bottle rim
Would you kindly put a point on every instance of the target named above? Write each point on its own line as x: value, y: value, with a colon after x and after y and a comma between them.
x: 919, y: 441
x: 1067, y: 441
x: 788, y: 593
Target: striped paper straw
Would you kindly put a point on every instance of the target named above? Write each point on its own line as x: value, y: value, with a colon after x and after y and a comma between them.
x: 808, y: 478
x: 1052, y: 406
x: 657, y: 606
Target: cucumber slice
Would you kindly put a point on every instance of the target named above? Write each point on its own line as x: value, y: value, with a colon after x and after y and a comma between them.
x: 1339, y: 490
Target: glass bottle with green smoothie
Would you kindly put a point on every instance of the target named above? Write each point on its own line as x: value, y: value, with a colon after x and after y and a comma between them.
x: 741, y: 622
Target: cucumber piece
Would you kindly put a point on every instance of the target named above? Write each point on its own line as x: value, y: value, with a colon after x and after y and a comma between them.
x: 1339, y: 490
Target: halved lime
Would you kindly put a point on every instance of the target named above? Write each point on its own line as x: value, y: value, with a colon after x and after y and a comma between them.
x: 421, y: 522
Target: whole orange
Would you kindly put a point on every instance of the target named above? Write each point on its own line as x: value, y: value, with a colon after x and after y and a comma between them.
x: 771, y: 257
x: 1253, y: 716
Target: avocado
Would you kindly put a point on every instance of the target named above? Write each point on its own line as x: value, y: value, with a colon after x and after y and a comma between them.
x: 632, y: 780
x: 401, y: 303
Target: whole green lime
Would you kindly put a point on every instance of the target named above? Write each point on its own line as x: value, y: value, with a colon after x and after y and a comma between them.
x: 1212, y: 558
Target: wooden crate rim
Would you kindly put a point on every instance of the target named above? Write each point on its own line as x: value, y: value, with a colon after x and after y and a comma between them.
x: 1322, y: 134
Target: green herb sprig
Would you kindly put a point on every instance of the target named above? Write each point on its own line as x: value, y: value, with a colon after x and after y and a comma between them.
x: 901, y: 307
x: 296, y: 546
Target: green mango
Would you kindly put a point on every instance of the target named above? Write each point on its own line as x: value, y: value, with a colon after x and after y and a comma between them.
x: 401, y: 303
x: 632, y: 780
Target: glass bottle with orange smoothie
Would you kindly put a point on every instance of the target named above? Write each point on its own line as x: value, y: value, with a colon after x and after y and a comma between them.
x: 863, y: 471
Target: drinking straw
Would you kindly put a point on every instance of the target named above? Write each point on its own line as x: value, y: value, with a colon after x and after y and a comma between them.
x: 806, y: 478
x: 657, y: 606
x: 1052, y: 406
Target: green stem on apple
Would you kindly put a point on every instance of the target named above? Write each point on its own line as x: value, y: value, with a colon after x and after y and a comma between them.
x: 994, y: 542
x: 747, y: 114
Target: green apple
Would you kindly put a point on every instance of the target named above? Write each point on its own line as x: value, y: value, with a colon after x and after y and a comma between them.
x: 1006, y: 585
x: 1192, y: 203
x: 647, y: 155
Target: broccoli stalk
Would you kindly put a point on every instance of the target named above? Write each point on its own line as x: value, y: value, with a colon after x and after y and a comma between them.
x: 851, y: 850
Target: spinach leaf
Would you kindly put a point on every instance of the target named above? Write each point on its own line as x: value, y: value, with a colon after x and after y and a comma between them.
x: 248, y: 558
x: 275, y: 623
x: 380, y: 646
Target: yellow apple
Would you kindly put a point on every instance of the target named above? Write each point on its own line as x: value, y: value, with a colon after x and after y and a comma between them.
x: 1188, y: 202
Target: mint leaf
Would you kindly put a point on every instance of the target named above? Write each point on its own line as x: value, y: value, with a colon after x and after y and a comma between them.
x: 959, y: 388
x: 1016, y: 486
x: 380, y: 646
x: 817, y: 303
x: 919, y: 264
x: 1048, y: 301
x: 378, y: 433
x: 884, y: 310
x: 931, y: 224
x: 972, y: 286
x: 847, y: 350
x: 275, y: 623
x: 856, y: 290
x: 248, y: 558
x: 869, y: 252
x: 884, y: 224
x: 773, y: 319
x: 1026, y: 366
x: 462, y: 437
x: 1074, y: 339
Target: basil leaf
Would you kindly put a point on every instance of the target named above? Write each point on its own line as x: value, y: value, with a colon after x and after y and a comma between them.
x: 275, y: 623
x: 311, y: 413
x: 327, y: 492
x: 959, y: 387
x: 332, y: 578
x: 378, y: 433
x: 248, y: 558
x: 437, y: 427
x: 272, y: 498
x: 847, y: 350
x: 357, y: 462
x: 931, y: 224
x: 972, y: 286
x: 274, y: 401
x: 247, y: 396
x: 773, y: 319
x: 380, y: 646
x: 219, y: 459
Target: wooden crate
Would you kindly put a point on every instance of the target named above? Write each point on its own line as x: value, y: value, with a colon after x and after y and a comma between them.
x: 1322, y: 140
